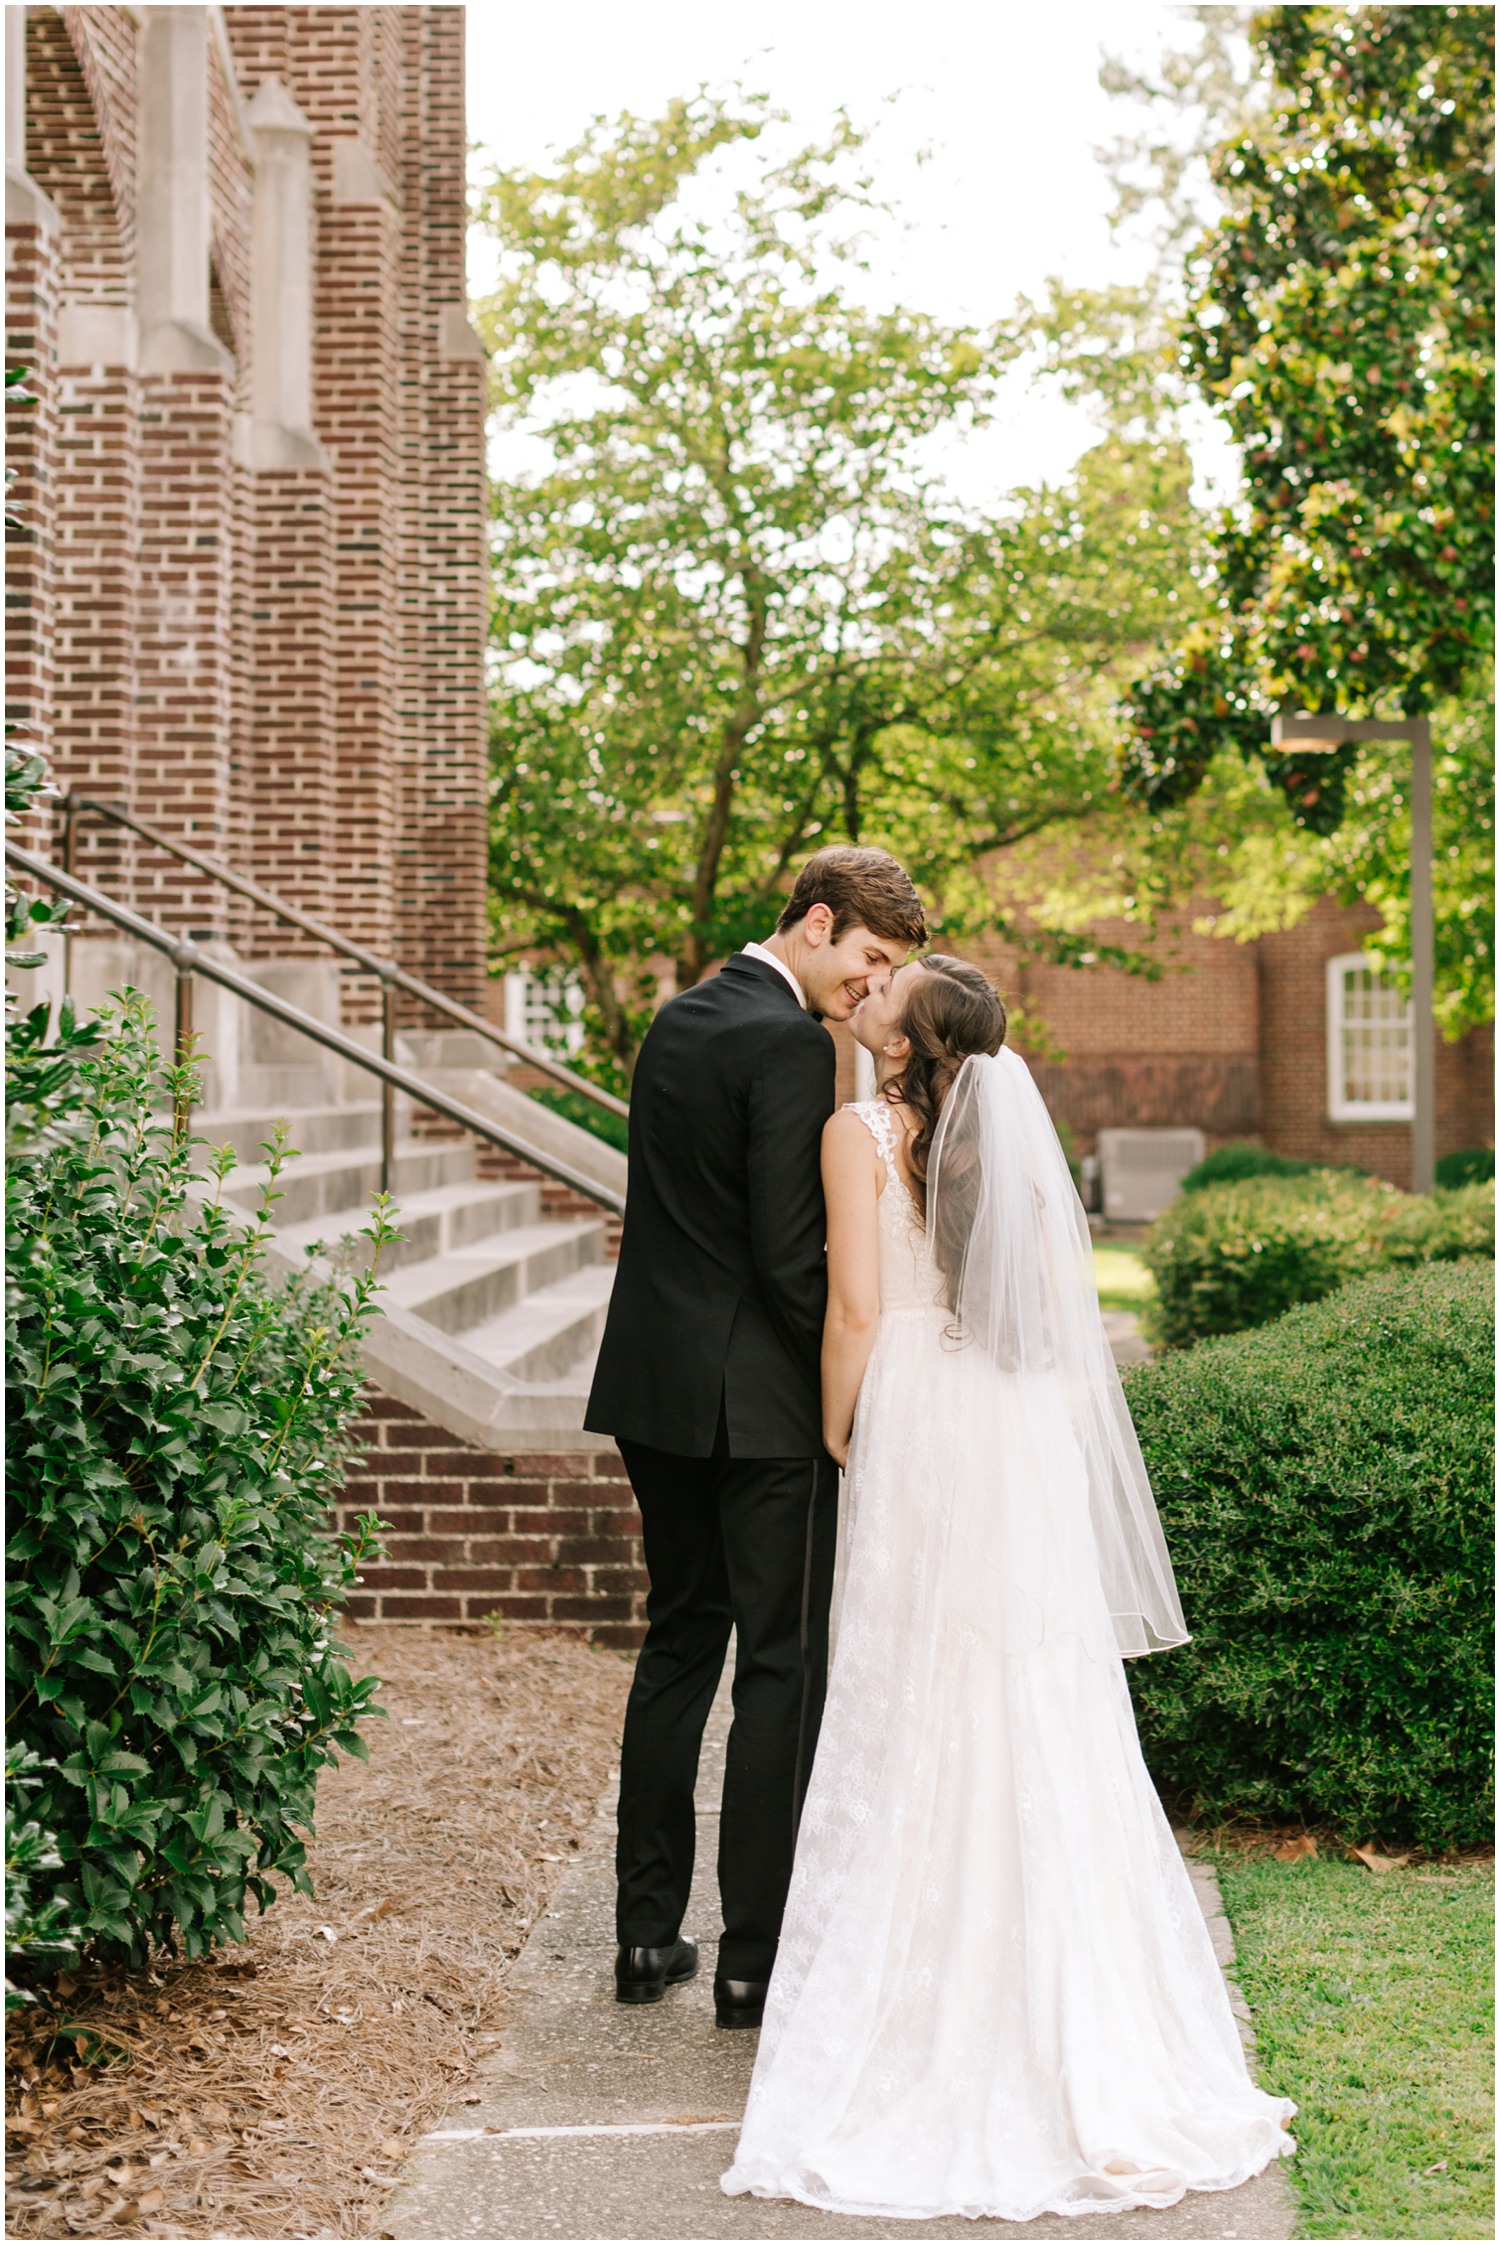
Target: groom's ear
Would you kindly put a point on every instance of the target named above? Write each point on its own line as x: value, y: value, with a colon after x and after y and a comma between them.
x: 818, y: 924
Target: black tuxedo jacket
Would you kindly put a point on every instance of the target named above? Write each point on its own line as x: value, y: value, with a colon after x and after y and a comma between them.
x: 722, y: 1281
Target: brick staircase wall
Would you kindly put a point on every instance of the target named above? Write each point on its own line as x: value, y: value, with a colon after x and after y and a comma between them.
x: 542, y: 1537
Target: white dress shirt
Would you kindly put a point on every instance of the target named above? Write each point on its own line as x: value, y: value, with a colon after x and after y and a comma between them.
x: 759, y: 951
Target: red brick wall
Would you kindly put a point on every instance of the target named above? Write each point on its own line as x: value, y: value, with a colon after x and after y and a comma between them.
x: 1294, y: 1059
x: 30, y: 453
x: 69, y: 158
x: 475, y: 1533
x: 441, y: 719
x: 1109, y: 1048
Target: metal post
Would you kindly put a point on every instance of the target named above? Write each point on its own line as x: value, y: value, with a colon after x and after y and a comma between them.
x: 387, y: 1091
x: 182, y: 1106
x: 1423, y: 1027
x: 69, y: 857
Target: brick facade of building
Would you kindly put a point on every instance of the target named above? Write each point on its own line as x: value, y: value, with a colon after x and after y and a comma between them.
x: 1232, y: 1039
x: 250, y: 598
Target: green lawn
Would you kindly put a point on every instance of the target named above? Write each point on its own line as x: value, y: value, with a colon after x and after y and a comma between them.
x: 1372, y: 1999
x: 1123, y: 1280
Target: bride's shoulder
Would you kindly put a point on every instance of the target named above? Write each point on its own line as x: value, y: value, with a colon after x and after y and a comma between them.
x: 857, y: 1137
x: 857, y: 1128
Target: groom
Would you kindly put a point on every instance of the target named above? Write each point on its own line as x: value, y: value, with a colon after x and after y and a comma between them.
x: 708, y: 1380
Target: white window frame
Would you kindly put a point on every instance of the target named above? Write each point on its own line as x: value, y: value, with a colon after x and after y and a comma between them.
x: 1341, y: 1108
x: 544, y: 1009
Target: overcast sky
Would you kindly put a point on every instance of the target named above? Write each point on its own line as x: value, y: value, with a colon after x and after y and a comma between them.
x: 1004, y: 95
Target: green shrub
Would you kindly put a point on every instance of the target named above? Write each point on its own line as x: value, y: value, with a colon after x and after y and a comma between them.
x: 1227, y: 1165
x: 1232, y: 1256
x: 177, y: 1429
x: 1470, y: 1167
x: 1324, y: 1485
x: 1441, y: 1228
x: 38, y: 1933
x: 577, y: 1107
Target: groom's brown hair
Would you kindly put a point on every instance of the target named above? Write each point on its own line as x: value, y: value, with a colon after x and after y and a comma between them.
x: 862, y: 889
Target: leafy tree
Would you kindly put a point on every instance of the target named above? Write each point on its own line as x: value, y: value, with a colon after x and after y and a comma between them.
x: 1342, y: 326
x: 1340, y: 322
x: 737, y: 614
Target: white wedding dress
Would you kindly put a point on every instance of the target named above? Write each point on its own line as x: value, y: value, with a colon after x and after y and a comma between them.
x: 995, y: 1993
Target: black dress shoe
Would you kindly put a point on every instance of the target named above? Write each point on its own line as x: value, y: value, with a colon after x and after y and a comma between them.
x: 739, y: 2003
x: 644, y: 1975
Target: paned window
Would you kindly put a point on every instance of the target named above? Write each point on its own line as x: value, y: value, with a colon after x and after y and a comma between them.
x: 545, y: 1008
x: 1369, y: 1044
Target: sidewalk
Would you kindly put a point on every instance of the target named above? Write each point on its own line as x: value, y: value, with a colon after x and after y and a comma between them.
x: 601, y: 2120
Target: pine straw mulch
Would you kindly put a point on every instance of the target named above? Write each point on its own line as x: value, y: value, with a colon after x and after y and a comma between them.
x: 272, y: 2091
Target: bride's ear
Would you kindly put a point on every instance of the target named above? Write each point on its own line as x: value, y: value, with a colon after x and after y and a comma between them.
x: 897, y: 1047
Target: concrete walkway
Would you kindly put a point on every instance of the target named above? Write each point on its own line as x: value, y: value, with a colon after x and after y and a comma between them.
x: 601, y: 2120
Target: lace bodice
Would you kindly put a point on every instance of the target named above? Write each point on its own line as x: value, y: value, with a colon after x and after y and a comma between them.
x: 908, y: 1279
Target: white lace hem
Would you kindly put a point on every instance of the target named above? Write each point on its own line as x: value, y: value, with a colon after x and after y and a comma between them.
x: 1107, y: 2194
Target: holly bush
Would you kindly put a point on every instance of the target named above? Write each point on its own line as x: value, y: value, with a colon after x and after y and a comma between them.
x: 1325, y: 1485
x: 178, y: 1426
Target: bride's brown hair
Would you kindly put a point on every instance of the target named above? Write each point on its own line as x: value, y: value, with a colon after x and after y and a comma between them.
x: 949, y: 1012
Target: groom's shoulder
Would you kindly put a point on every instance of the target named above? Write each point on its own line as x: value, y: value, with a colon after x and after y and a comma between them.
x: 740, y: 993
x: 740, y: 1007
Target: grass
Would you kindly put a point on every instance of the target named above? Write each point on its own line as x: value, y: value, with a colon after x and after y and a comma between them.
x: 1372, y: 2000
x: 1123, y: 1280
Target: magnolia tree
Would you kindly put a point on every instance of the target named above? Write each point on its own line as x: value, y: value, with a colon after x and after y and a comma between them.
x: 737, y: 612
x: 1339, y: 320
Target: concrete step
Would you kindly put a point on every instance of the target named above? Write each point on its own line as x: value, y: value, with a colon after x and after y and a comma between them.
x: 345, y: 1181
x: 438, y: 1222
x: 279, y: 1086
x: 312, y: 1130
x: 552, y: 1335
x: 469, y: 1286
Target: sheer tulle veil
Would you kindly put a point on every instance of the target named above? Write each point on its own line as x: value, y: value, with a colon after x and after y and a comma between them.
x: 1006, y: 1225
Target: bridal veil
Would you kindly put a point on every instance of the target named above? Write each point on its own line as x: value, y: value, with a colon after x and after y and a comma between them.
x: 1007, y: 1231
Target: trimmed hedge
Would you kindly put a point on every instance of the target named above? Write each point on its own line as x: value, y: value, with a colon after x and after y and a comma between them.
x: 1236, y: 1255
x: 1443, y: 1229
x: 1325, y: 1488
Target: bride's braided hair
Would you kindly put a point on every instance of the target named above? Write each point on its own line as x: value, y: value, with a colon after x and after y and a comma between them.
x: 949, y: 1012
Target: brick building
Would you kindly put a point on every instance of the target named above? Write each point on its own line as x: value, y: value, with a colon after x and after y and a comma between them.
x: 250, y: 599
x: 1291, y: 1039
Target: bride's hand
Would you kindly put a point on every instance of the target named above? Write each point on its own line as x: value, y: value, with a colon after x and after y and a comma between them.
x: 837, y: 1450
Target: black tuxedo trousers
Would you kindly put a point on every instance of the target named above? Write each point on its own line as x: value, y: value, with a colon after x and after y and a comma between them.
x: 747, y: 1543
x: 708, y: 1380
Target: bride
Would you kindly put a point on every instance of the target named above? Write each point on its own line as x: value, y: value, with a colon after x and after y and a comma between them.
x: 995, y: 1993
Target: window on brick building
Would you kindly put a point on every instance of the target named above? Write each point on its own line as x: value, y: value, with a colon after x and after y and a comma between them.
x: 1369, y: 1044
x: 545, y: 1008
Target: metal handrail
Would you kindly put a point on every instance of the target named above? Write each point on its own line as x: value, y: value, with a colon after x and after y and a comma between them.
x: 189, y: 959
x: 392, y: 976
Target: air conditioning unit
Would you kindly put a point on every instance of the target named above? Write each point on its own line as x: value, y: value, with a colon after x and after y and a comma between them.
x: 1140, y: 1171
